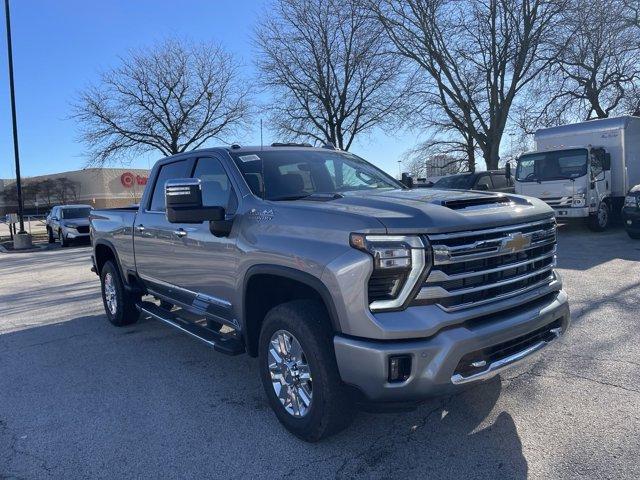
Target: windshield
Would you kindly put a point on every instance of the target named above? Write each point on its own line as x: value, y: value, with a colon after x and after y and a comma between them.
x: 289, y: 175
x: 457, y: 182
x: 68, y: 213
x: 558, y: 165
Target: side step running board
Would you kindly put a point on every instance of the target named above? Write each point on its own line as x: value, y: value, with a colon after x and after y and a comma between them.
x: 221, y: 343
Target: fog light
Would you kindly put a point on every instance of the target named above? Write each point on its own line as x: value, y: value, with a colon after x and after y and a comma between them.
x: 399, y: 368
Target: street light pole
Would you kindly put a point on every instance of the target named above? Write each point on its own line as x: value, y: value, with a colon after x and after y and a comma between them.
x: 13, y: 116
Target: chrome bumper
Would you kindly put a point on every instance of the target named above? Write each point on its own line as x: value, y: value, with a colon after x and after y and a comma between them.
x: 498, y: 366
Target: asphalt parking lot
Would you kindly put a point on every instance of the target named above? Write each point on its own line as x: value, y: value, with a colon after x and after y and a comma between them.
x: 82, y: 399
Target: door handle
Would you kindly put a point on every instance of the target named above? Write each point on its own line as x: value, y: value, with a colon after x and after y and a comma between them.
x: 180, y: 232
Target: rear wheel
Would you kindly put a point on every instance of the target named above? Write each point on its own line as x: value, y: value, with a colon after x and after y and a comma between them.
x: 299, y: 371
x: 119, y: 304
x: 599, y: 221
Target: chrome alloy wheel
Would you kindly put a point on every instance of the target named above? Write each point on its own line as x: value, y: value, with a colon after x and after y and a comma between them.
x: 110, y: 294
x: 290, y: 373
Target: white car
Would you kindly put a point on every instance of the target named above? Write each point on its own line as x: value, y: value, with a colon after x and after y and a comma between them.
x: 68, y: 223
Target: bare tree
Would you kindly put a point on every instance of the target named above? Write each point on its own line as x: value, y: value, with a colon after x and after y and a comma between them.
x: 595, y: 66
x: 480, y: 55
x: 171, y: 98
x: 66, y: 189
x: 47, y: 190
x: 327, y: 64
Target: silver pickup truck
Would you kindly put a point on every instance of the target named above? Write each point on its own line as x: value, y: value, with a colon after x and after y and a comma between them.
x: 346, y: 285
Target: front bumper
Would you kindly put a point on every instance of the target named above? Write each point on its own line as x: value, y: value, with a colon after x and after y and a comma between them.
x: 571, y: 212
x: 364, y: 363
x: 631, y: 218
x: 73, y: 234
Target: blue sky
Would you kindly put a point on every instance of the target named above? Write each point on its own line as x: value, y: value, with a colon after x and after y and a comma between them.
x: 60, y: 46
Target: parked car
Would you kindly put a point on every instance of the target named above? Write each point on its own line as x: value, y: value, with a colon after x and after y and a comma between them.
x: 68, y: 223
x: 631, y: 212
x: 346, y: 285
x: 491, y: 180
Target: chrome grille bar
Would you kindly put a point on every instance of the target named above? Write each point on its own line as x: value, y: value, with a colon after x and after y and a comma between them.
x: 472, y: 233
x: 443, y: 254
x: 440, y: 292
x: 437, y: 276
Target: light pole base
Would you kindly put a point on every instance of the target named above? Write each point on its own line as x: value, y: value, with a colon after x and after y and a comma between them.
x: 22, y: 241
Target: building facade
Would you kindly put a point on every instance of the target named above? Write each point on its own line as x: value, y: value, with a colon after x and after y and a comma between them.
x: 98, y: 187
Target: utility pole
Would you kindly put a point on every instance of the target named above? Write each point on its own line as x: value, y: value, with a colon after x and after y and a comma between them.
x: 13, y: 116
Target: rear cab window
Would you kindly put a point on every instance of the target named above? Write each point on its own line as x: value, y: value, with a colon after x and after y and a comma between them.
x: 168, y: 171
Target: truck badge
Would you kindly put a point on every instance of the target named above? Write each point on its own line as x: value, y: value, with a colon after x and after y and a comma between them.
x: 515, y: 242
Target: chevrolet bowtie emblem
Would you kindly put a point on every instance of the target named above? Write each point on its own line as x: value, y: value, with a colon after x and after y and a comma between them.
x: 515, y: 242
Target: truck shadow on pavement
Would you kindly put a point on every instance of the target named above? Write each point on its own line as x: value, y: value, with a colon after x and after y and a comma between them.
x: 81, y: 395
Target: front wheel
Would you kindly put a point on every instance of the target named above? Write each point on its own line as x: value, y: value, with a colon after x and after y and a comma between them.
x: 50, y: 237
x: 63, y: 240
x: 599, y: 221
x: 119, y: 304
x: 299, y: 371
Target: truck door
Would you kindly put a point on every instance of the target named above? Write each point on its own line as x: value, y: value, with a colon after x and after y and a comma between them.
x: 600, y: 179
x: 206, y: 265
x: 153, y: 234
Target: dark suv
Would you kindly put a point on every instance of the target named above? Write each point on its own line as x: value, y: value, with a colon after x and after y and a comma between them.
x: 491, y: 180
x: 631, y: 212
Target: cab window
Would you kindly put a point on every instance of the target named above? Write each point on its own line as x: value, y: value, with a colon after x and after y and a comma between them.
x: 169, y: 171
x: 216, y: 187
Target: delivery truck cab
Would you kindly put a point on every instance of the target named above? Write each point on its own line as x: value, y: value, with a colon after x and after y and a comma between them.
x: 583, y: 170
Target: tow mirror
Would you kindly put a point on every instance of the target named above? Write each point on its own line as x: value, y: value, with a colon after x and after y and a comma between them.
x: 507, y: 170
x: 183, y: 199
x: 606, y: 161
x: 407, y: 180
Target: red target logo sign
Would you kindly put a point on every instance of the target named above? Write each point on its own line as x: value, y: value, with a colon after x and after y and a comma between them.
x: 127, y: 179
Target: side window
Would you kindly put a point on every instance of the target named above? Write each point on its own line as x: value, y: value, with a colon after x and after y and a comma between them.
x: 167, y: 172
x: 484, y: 180
x: 499, y: 180
x: 216, y: 187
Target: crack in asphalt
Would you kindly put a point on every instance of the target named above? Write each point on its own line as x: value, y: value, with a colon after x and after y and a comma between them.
x: 13, y: 451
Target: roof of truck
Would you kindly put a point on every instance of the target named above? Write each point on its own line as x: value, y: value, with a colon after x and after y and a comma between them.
x: 595, y: 125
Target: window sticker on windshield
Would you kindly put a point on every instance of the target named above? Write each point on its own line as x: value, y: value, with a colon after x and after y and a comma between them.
x: 249, y: 158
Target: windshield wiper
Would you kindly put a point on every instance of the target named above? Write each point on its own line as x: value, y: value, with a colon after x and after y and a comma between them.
x: 320, y: 196
x: 289, y: 197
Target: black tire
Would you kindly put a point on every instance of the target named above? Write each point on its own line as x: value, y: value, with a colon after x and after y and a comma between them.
x: 634, y: 235
x: 50, y: 235
x: 64, y: 243
x: 332, y: 407
x: 125, y: 311
x: 601, y: 220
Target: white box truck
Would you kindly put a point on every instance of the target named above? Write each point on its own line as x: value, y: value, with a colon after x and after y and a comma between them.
x: 583, y: 170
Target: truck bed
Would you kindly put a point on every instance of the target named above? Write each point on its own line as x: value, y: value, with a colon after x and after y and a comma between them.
x: 114, y: 227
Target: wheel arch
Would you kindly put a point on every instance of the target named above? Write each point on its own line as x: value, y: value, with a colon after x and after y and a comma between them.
x: 266, y: 286
x: 104, y: 251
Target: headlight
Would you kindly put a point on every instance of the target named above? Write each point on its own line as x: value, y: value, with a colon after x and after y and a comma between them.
x: 399, y: 262
x: 578, y: 200
x: 631, y: 201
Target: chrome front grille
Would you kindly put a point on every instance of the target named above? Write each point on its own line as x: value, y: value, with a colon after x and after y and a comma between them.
x: 482, y: 266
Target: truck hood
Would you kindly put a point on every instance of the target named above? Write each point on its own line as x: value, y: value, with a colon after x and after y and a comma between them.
x: 433, y: 210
